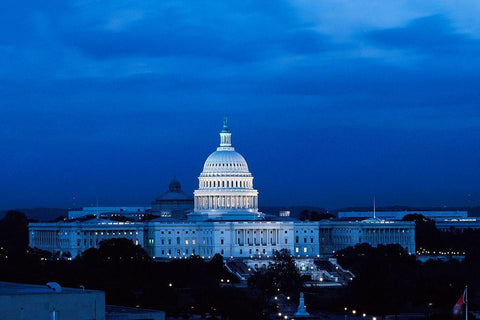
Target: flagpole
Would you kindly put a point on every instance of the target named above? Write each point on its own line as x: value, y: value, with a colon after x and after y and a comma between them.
x: 466, y: 302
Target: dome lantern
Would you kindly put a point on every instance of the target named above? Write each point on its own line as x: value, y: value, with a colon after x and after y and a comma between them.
x: 225, y: 137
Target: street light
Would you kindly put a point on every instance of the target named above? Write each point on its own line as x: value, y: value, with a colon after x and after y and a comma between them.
x: 354, y: 311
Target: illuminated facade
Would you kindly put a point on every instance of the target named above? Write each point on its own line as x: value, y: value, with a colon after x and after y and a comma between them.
x: 225, y: 220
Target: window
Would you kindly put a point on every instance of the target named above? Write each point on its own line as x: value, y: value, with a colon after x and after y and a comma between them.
x: 221, y: 241
x: 305, y: 249
x: 296, y: 239
x: 296, y: 250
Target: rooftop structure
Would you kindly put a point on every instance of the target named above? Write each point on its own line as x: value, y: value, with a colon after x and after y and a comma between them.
x: 225, y: 189
x: 174, y: 202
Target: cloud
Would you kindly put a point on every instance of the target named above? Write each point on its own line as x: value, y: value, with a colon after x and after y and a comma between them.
x: 235, y: 33
x: 432, y: 35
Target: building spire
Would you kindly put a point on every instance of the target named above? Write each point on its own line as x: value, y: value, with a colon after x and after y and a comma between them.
x: 225, y: 137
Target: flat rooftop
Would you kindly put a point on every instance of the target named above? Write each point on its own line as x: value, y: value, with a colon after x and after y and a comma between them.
x: 13, y: 288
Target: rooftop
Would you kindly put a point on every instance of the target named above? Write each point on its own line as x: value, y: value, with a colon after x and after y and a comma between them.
x: 12, y: 288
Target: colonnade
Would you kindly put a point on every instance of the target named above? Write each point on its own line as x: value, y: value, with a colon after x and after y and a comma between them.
x: 246, y: 237
x: 226, y: 202
x: 226, y: 183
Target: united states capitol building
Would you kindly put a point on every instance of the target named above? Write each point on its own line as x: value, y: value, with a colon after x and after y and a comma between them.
x: 225, y: 219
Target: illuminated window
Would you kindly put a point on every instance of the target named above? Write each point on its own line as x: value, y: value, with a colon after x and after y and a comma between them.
x: 296, y: 250
x: 186, y: 241
x: 193, y: 241
x: 305, y: 250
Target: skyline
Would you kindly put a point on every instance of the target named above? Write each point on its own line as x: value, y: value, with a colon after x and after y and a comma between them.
x: 330, y: 103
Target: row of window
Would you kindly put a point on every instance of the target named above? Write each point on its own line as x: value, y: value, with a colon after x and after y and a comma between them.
x: 304, y: 239
x: 225, y: 184
x: 231, y: 164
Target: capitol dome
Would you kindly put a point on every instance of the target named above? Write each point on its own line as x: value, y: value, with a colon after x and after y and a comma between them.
x: 225, y: 161
x: 225, y: 185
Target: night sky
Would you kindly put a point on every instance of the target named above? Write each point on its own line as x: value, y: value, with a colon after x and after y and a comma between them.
x: 331, y: 102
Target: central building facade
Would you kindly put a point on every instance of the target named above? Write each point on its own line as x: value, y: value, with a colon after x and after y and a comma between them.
x: 225, y: 220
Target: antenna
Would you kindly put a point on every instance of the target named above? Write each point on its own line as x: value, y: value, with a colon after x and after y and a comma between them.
x: 374, y: 216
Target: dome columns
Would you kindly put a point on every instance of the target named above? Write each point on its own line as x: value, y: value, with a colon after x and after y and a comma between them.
x: 226, y: 202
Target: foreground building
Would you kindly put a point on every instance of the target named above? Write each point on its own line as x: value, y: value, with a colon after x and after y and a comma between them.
x: 19, y: 301
x: 225, y: 220
x: 31, y: 302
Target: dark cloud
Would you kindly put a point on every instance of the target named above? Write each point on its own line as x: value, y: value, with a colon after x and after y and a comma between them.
x: 233, y: 34
x: 433, y: 35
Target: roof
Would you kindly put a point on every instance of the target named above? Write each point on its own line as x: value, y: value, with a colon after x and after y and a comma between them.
x: 169, y: 195
x: 13, y: 288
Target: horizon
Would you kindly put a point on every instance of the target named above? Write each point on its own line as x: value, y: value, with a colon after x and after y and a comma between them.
x: 331, y: 104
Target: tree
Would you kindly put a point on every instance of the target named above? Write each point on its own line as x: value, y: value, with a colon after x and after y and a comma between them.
x: 314, y: 216
x: 386, y: 277
x: 115, y: 250
x: 14, y: 231
x: 280, y: 276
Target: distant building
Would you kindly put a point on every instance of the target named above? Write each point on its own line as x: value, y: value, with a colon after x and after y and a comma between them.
x: 225, y: 220
x: 458, y: 224
x: 398, y: 215
x: 173, y: 203
x: 32, y: 302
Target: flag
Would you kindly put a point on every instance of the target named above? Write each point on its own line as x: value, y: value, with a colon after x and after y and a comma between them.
x: 457, y: 309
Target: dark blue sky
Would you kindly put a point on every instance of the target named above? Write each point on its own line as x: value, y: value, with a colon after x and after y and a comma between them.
x: 330, y: 102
